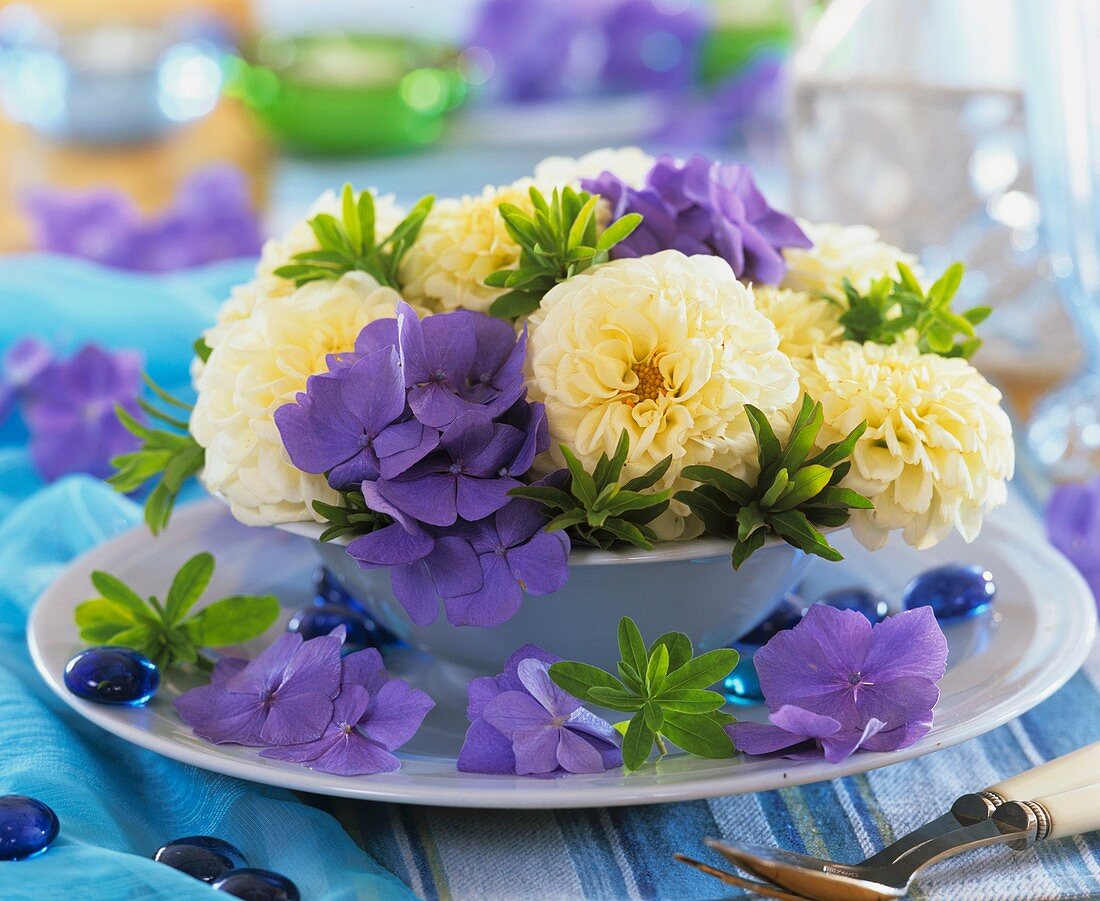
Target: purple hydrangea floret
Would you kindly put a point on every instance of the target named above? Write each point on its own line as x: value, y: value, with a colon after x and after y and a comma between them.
x: 1073, y: 526
x: 521, y: 723
x: 212, y: 218
x: 303, y: 703
x: 835, y: 684
x: 703, y: 207
x: 68, y: 405
x: 429, y: 419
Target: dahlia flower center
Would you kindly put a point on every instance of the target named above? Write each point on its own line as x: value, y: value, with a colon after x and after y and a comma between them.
x: 651, y: 382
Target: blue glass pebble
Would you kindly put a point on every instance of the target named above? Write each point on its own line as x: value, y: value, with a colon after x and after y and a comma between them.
x: 742, y: 686
x: 27, y: 827
x: 330, y: 590
x: 862, y: 600
x: 258, y: 885
x: 952, y: 591
x: 785, y: 616
x: 363, y: 632
x: 112, y: 674
x: 202, y: 856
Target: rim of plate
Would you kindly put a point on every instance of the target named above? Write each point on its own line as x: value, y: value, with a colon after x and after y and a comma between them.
x: 675, y: 779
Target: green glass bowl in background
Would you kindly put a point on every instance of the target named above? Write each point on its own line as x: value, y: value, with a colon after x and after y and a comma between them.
x: 348, y: 94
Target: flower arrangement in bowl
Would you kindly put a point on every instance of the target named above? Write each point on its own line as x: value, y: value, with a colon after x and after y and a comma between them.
x: 623, y: 386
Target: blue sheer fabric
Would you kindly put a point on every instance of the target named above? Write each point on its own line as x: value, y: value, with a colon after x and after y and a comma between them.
x: 118, y: 803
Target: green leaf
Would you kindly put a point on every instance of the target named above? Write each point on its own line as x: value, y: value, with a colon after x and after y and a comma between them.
x: 840, y: 450
x: 691, y: 700
x: 678, y: 646
x: 742, y: 550
x: 583, y: 486
x: 102, y: 612
x: 637, y: 743
x: 765, y: 436
x: 778, y: 486
x: 618, y: 231
x: 632, y: 647
x: 140, y: 637
x: 656, y: 670
x: 803, y: 434
x: 654, y: 717
x: 233, y: 620
x: 577, y: 678
x: 202, y: 349
x: 183, y: 651
x: 701, y: 735
x: 793, y: 527
x: 649, y: 478
x: 615, y: 699
x: 731, y: 486
x: 631, y: 679
x: 115, y: 590
x: 188, y: 585
x: 807, y: 483
x: 514, y: 304
x: 702, y: 671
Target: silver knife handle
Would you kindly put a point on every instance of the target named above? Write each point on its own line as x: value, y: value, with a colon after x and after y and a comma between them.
x: 1070, y: 771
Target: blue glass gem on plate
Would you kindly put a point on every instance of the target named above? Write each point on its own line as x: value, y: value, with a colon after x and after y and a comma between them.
x: 785, y: 616
x: 856, y: 597
x: 330, y: 590
x: 112, y: 674
x: 27, y: 827
x: 258, y: 885
x: 202, y: 856
x: 741, y: 686
x: 363, y: 632
x: 952, y: 591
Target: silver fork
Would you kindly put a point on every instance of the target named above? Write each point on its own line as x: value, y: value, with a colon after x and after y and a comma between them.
x: 888, y: 872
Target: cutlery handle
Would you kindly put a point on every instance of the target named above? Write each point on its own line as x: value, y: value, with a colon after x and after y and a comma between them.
x: 1072, y: 812
x: 1080, y: 767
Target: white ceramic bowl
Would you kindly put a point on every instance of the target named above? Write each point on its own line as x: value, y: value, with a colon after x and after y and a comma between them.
x: 688, y: 586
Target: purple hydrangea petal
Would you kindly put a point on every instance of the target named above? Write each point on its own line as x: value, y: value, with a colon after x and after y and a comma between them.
x: 809, y: 664
x: 402, y: 445
x: 317, y: 431
x: 315, y: 667
x: 265, y: 671
x: 583, y: 720
x: 907, y: 700
x: 454, y: 567
x: 703, y: 207
x: 896, y: 739
x: 541, y: 565
x: 535, y: 677
x: 514, y: 711
x: 575, y: 755
x: 841, y: 745
x: 391, y: 546
x: 762, y: 738
x: 430, y: 498
x: 300, y: 716
x: 414, y: 587
x: 495, y: 457
x: 536, y: 749
x: 231, y: 719
x: 354, y: 755
x: 395, y: 713
x: 485, y: 750
x: 495, y: 602
x: 478, y: 498
x: 910, y: 643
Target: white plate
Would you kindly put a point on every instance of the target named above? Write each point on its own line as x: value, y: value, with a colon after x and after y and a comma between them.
x: 1001, y: 664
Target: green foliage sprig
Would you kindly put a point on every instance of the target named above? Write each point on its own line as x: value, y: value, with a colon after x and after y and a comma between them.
x: 794, y: 494
x: 167, y: 458
x: 595, y: 508
x: 891, y: 307
x: 556, y: 242
x: 351, y: 243
x: 666, y: 690
x: 164, y: 632
x: 351, y: 517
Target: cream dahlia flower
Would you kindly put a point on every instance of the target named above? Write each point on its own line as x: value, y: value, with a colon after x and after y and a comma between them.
x: 938, y: 447
x: 462, y: 243
x: 804, y: 321
x: 631, y: 164
x: 259, y: 363
x: 841, y: 251
x: 669, y: 348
